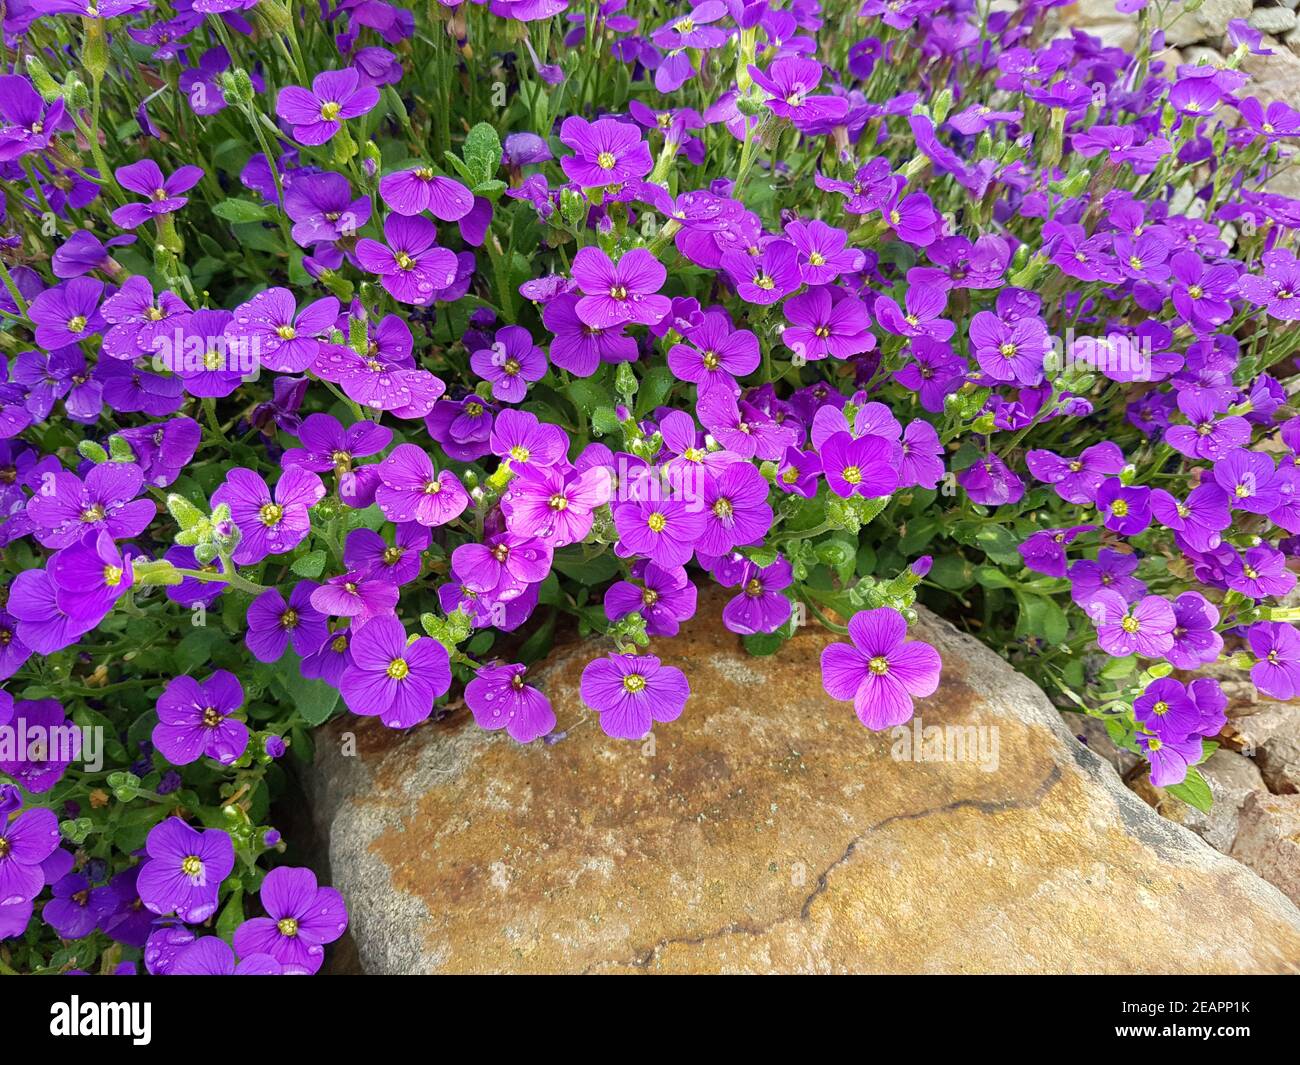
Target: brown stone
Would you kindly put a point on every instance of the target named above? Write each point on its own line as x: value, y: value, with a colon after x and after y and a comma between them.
x: 1269, y: 840
x: 767, y: 831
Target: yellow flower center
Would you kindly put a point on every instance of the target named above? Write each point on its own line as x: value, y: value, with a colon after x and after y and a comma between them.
x: 112, y: 576
x: 192, y: 865
x: 1119, y: 508
x: 77, y: 324
x: 329, y: 111
x: 852, y: 475
x: 606, y: 160
x: 722, y: 508
x: 288, y: 926
x: 270, y: 514
x: 1130, y: 624
x: 879, y: 665
x: 398, y: 669
x: 286, y: 332
x: 634, y: 682
x: 657, y: 522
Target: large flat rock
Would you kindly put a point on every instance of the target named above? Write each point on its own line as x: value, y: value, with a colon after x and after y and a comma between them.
x: 767, y: 831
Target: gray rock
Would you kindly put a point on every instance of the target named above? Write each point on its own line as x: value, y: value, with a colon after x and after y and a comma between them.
x: 766, y: 831
x: 1233, y: 779
x: 1279, y: 754
x: 1276, y: 20
x: 1269, y: 840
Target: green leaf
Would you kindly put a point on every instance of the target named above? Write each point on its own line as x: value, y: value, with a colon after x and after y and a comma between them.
x: 482, y: 153
x: 314, y: 700
x: 1118, y: 668
x: 588, y: 571
x: 310, y: 564
x: 240, y: 211
x: 762, y: 644
x: 1194, y: 791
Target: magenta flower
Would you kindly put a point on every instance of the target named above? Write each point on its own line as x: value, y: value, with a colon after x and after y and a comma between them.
x: 631, y: 692
x: 662, y: 530
x: 410, y: 489
x: 184, y: 870
x: 715, y: 353
x: 735, y: 509
x: 767, y: 277
x: 411, y: 267
x: 411, y: 192
x: 212, y: 956
x: 1076, y: 480
x: 391, y: 679
x: 555, y: 503
x: 880, y: 672
x: 581, y: 348
x: 866, y: 466
x: 606, y: 152
x: 194, y: 720
x: 1124, y: 509
x: 1170, y: 758
x: 664, y: 598
x: 760, y: 606
x: 790, y: 83
x: 316, y: 114
x: 269, y: 526
x: 67, y: 313
x: 826, y: 321
x: 821, y: 252
x: 617, y: 293
x: 283, y: 338
x: 1195, y: 640
x: 302, y: 918
x: 499, y: 698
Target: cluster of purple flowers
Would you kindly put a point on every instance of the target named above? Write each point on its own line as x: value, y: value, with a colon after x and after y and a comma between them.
x: 372, y: 387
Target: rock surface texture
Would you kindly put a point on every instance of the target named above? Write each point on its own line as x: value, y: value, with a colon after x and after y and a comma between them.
x: 767, y: 831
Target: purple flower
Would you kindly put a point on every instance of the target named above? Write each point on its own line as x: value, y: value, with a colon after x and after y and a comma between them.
x: 302, y: 918
x: 90, y: 577
x: 1044, y: 552
x: 194, y: 720
x: 1206, y: 436
x: 581, y: 348
x: 1195, y: 640
x: 75, y: 910
x: 664, y: 598
x: 760, y: 606
x: 212, y: 956
x: 1250, y: 480
x: 1009, y: 350
x: 662, y: 530
x: 510, y: 364
x: 67, y: 313
x: 273, y: 623
x: 879, y: 671
x: 391, y: 679
x: 1124, y: 509
x: 327, y: 445
x: 1261, y: 573
x: 1276, y: 646
x: 411, y: 192
x: 64, y: 508
x: 499, y: 698
x: 25, y: 842
x: 821, y: 251
x: 317, y: 114
x: 30, y: 123
x: 1146, y: 628
x: 631, y: 692
x: 617, y: 293
x: 1166, y: 709
x: 184, y: 870
x: 1077, y: 480
x: 767, y: 277
x: 138, y: 321
x: 555, y: 503
x: 822, y: 324
x: 606, y: 152
x: 925, y: 301
x: 1199, y: 520
x: 1278, y: 290
x: 715, y: 353
x: 370, y: 554
x: 163, y: 194
x: 791, y: 82
x: 284, y: 339
x: 411, y: 267
x: 866, y: 466
x: 736, y: 512
x: 355, y: 595
x: 411, y: 490
x: 323, y: 209
x: 269, y: 526
x: 1170, y: 759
